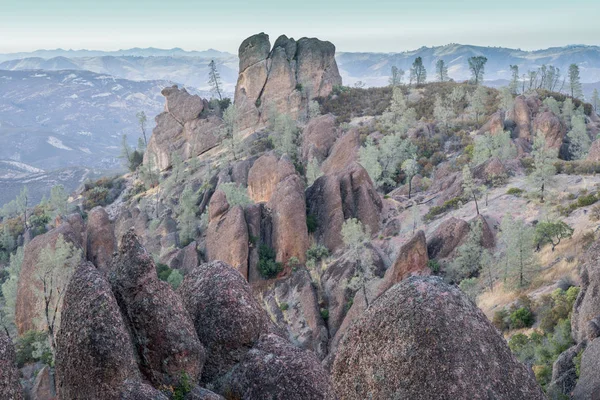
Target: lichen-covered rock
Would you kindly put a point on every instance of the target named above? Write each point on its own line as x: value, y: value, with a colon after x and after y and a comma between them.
x: 588, y: 385
x: 585, y: 320
x: 275, y: 369
x: 495, y: 124
x: 101, y: 240
x: 564, y: 373
x: 521, y: 115
x: 189, y: 258
x: 199, y: 393
x: 318, y: 137
x: 424, y: 339
x: 10, y: 388
x: 450, y: 234
x: 294, y: 307
x: 343, y: 153
x: 162, y: 332
x: 594, y: 152
x: 266, y: 173
x: 411, y: 261
x: 227, y: 234
x: 551, y: 127
x: 335, y: 198
x: 29, y: 305
x: 288, y: 219
x: 227, y: 318
x: 44, y: 386
x: 94, y: 354
x: 136, y: 390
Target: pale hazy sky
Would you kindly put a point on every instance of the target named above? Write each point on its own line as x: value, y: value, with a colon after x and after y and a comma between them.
x: 368, y: 25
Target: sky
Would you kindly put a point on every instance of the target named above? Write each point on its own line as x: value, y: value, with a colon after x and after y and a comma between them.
x: 367, y: 25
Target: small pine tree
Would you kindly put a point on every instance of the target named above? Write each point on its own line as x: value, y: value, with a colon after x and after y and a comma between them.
x: 410, y: 168
x: 228, y: 133
x: 396, y: 77
x: 141, y: 117
x: 441, y: 70
x: 580, y: 141
x: 595, y: 100
x: 519, y: 260
x: 235, y: 194
x: 477, y: 102
x: 313, y: 171
x: 214, y: 79
x: 469, y: 186
x: 418, y: 74
x: 186, y: 215
x: 477, y: 67
x: 356, y: 237
x: 443, y: 111
x: 575, y: 82
x: 59, y: 200
x: 543, y: 164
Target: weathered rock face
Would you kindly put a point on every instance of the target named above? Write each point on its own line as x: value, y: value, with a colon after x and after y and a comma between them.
x: 585, y: 320
x: 318, y: 137
x: 101, y: 240
x: 343, y: 153
x: 447, y: 237
x: 435, y: 341
x: 180, y: 129
x: 44, y: 386
x: 199, y: 393
x: 447, y: 182
x: 136, y: 390
x: 10, y: 387
x: 94, y: 354
x: 283, y: 78
x: 521, y: 114
x: 594, y: 153
x: 163, y: 334
x: 411, y: 261
x: 495, y: 124
x: 335, y: 198
x: 550, y: 126
x: 588, y: 385
x: 226, y: 316
x: 288, y: 219
x: 487, y: 235
x: 227, y: 235
x: 564, y: 373
x: 275, y: 369
x: 266, y: 173
x: 29, y: 302
x: 295, y: 307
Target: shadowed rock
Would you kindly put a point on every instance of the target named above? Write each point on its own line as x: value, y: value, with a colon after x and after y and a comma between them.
x: 10, y: 388
x: 101, y: 240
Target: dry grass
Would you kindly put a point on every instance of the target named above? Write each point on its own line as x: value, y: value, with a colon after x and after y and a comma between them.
x: 491, y: 301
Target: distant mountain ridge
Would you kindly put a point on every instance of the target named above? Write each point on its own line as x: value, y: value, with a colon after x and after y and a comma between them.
x: 136, y: 51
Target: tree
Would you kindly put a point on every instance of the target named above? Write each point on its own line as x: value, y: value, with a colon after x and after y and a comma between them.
x: 149, y: 172
x: 477, y: 67
x: 506, y: 98
x: 415, y: 216
x: 368, y: 156
x: 543, y: 164
x: 59, y: 200
x: 519, y: 260
x: 491, y: 145
x: 214, y: 79
x: 567, y: 111
x: 9, y: 292
x: 441, y: 70
x: 456, y: 99
x: 228, y: 133
x: 285, y: 135
x: 575, y: 82
x: 141, y: 117
x: 477, y: 102
x: 595, y: 100
x: 125, y: 151
x: 469, y: 186
x: 443, y: 111
x: 22, y: 202
x: 580, y: 141
x: 468, y: 256
x: 313, y: 171
x: 552, y: 105
x: 411, y: 168
x: 236, y: 195
x: 552, y: 232
x: 418, y: 74
x: 381, y: 162
x: 356, y: 239
x: 54, y: 270
x: 514, y: 80
x: 314, y: 109
x: 396, y: 77
x: 186, y: 215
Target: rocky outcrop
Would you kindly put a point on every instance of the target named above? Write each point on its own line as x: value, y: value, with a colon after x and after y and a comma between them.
x: 294, y: 307
x: 450, y: 234
x: 226, y: 317
x: 318, y: 137
x: 551, y: 127
x: 94, y: 354
x: 101, y: 240
x: 227, y: 234
x: 585, y: 320
x: 44, y: 387
x: 522, y: 116
x: 495, y: 124
x: 411, y: 261
x: 275, y: 369
x: 199, y: 393
x: 343, y: 153
x: 588, y: 385
x: 10, y: 387
x: 335, y: 198
x: 594, y: 153
x: 181, y: 129
x: 564, y: 373
x: 29, y: 307
x: 283, y: 78
x: 424, y: 339
x: 288, y: 220
x: 266, y: 173
x: 136, y: 390
x: 162, y: 332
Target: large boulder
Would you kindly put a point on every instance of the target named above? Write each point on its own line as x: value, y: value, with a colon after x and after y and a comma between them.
x: 450, y: 234
x: 335, y: 198
x: 275, y: 369
x: 44, y: 387
x: 30, y: 306
x: 288, y: 218
x: 318, y: 137
x: 94, y: 353
x: 522, y: 116
x: 136, y: 390
x: 10, y: 387
x: 294, y: 306
x: 181, y: 129
x: 424, y: 339
x: 411, y: 260
x: 585, y: 320
x: 162, y: 331
x: 551, y: 127
x: 282, y: 78
x: 227, y: 234
x: 564, y: 373
x: 226, y: 317
x: 594, y: 152
x: 101, y: 240
x: 266, y: 173
x: 495, y: 124
x: 588, y: 384
x: 343, y: 153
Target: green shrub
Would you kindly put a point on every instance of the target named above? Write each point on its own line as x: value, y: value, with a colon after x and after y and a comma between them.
x: 317, y: 252
x: 553, y: 308
x: 163, y: 271
x: 515, y: 191
x: 267, y: 266
x: 184, y: 386
x: 311, y: 223
x: 284, y: 306
x: 521, y: 318
x: 577, y: 362
x: 501, y: 320
x: 325, y: 313
x: 28, y: 348
x: 448, y: 205
x: 434, y: 266
x: 587, y: 200
x: 175, y: 278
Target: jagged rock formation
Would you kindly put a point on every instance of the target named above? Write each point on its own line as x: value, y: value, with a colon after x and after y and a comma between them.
x: 101, y: 240
x: 227, y: 318
x: 136, y: 390
x: 495, y: 124
x: 335, y: 198
x: 274, y: 369
x: 423, y: 339
x: 343, y: 153
x: 265, y: 174
x: 411, y: 261
x: 162, y: 332
x: 551, y: 127
x: 10, y: 388
x: 318, y: 137
x: 29, y: 302
x: 44, y: 386
x: 450, y: 234
x: 283, y: 78
x: 181, y: 129
x: 94, y: 354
